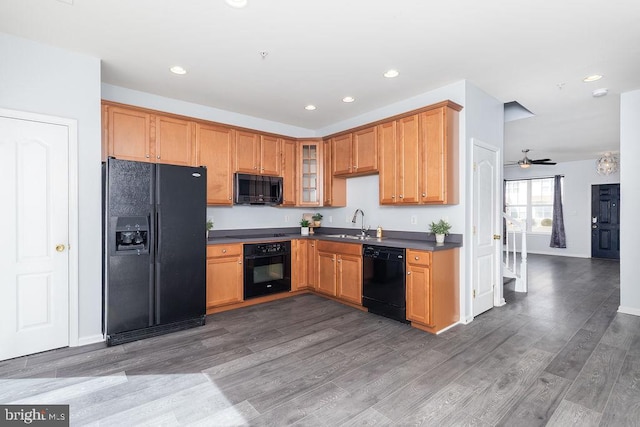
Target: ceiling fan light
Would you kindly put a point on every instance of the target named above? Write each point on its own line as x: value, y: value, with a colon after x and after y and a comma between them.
x: 525, y: 165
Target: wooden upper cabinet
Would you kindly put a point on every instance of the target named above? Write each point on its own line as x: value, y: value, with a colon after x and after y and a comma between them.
x: 247, y: 152
x: 365, y: 151
x: 355, y: 153
x: 215, y: 150
x: 134, y: 134
x: 174, y: 143
x: 289, y: 170
x: 309, y: 173
x: 408, y: 168
x: 334, y: 190
x: 388, y: 162
x: 257, y: 154
x: 128, y: 136
x: 439, y: 175
x: 342, y: 163
x: 270, y: 155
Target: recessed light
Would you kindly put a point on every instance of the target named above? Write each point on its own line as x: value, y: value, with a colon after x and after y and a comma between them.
x: 310, y: 107
x: 176, y: 69
x: 238, y: 4
x: 600, y: 92
x: 391, y: 74
x: 592, y: 78
x: 348, y: 99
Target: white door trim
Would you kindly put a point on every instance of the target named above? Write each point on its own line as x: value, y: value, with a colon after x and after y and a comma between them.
x: 498, y: 296
x: 72, y: 126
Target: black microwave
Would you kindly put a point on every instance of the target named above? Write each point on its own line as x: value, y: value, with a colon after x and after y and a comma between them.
x: 257, y: 189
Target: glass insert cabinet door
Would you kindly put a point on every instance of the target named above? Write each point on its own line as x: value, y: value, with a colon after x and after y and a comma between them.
x: 309, y: 186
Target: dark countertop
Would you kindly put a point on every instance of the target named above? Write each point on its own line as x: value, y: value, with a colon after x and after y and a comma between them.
x: 394, y: 239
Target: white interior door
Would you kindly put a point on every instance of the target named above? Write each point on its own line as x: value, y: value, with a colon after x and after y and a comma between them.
x: 34, y: 259
x: 486, y: 239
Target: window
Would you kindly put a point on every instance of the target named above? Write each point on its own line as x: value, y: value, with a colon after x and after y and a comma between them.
x: 530, y: 201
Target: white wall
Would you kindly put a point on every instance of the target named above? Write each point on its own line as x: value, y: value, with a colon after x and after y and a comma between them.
x: 484, y: 120
x: 629, y: 202
x: 579, y: 176
x: 47, y: 80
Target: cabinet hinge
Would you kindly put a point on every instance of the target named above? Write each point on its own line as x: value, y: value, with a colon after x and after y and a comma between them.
x: 474, y: 230
x: 474, y: 166
x: 474, y: 293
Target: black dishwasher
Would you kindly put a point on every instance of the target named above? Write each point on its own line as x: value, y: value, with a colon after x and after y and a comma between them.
x: 383, y: 281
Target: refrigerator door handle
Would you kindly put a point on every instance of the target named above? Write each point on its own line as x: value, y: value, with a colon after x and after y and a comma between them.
x: 158, y: 263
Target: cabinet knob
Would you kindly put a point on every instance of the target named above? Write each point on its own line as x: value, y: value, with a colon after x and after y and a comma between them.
x: 147, y: 156
x: 424, y: 194
x: 224, y: 251
x: 393, y: 197
x: 255, y: 167
x: 417, y: 258
x: 401, y: 196
x: 239, y: 262
x: 408, y: 273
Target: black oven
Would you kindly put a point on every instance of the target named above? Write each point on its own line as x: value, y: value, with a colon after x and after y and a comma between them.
x: 267, y: 268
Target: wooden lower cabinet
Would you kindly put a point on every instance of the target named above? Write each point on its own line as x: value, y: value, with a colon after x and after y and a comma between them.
x: 339, y: 270
x: 224, y: 274
x: 299, y: 264
x: 432, y: 289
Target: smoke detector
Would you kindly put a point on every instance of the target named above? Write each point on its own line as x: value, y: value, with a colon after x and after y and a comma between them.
x: 597, y: 93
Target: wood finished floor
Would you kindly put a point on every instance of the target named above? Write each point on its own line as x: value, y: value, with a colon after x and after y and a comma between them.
x: 559, y: 356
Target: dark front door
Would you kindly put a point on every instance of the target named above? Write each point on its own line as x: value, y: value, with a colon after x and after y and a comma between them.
x: 605, y: 221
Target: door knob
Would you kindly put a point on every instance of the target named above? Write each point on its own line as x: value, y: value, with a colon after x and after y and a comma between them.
x: 60, y: 247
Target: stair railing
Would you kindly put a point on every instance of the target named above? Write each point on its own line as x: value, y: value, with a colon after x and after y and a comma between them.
x: 516, y: 230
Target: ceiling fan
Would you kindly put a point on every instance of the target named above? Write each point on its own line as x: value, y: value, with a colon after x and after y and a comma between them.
x: 526, y: 162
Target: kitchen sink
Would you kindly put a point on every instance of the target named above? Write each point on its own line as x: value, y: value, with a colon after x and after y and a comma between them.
x: 350, y: 236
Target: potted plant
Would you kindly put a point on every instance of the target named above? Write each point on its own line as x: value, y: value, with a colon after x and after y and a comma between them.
x: 317, y: 217
x: 440, y: 229
x: 304, y: 226
x: 209, y: 227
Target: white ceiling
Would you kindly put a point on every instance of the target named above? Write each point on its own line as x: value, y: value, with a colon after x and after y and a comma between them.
x: 535, y: 52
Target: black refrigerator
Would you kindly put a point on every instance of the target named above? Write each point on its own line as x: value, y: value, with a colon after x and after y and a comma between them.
x: 154, y: 263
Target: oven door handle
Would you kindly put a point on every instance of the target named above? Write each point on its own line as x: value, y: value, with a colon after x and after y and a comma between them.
x: 265, y: 256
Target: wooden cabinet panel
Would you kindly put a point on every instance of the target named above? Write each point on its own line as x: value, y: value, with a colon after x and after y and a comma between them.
x: 419, y: 298
x: 326, y: 273
x: 342, y: 161
x: 350, y: 278
x: 334, y: 190
x: 432, y: 289
x: 128, y: 134
x: 289, y: 171
x: 299, y: 264
x: 215, y: 150
x: 439, y: 175
x: 224, y: 275
x: 247, y: 152
x: 270, y: 155
x: 365, y: 151
x: 312, y: 270
x: 174, y: 144
x: 409, y: 161
x: 388, y: 162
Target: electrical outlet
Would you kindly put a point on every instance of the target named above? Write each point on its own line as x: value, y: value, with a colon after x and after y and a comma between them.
x: 414, y: 219
x: 347, y: 218
x: 286, y: 218
x: 330, y: 219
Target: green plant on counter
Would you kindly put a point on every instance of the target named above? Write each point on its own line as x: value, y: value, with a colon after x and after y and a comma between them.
x: 209, y: 225
x: 304, y: 222
x: 317, y: 217
x: 440, y: 227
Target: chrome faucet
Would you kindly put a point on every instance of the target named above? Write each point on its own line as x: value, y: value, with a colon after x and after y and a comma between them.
x: 355, y: 215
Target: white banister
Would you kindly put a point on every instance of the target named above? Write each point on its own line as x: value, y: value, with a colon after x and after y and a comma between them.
x: 516, y: 228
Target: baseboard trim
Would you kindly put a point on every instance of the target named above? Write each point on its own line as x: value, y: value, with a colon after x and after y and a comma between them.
x: 91, y: 339
x: 629, y: 310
